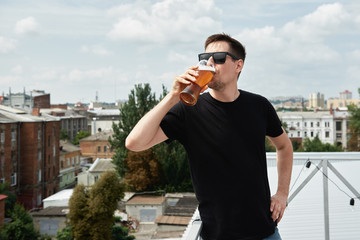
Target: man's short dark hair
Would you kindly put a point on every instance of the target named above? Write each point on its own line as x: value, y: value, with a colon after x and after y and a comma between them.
x: 236, y: 47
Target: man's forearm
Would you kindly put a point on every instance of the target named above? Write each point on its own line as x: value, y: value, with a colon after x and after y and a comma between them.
x: 284, y: 167
x: 146, y: 132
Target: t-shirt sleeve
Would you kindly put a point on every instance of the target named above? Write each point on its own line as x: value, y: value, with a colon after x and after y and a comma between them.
x: 173, y: 124
x: 273, y: 128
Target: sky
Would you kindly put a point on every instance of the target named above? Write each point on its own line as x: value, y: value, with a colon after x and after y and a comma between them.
x: 77, y: 50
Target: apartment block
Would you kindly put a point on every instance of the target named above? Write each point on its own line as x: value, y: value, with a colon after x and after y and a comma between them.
x: 29, y: 155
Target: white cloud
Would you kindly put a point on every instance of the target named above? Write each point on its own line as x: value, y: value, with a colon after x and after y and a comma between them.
x: 95, y: 49
x: 165, y: 21
x: 26, y: 26
x: 17, y: 70
x: 7, y: 45
x: 327, y: 20
x: 76, y: 75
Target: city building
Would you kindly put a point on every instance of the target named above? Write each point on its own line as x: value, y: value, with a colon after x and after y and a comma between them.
x: 70, y: 121
x: 316, y: 100
x: 97, y: 145
x: 29, y: 155
x: 69, y: 164
x: 145, y: 208
x: 35, y: 99
x: 89, y: 177
x: 102, y: 119
x: 309, y: 125
x: 344, y: 100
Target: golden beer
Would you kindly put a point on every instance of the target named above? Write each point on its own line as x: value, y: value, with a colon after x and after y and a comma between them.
x: 191, y: 93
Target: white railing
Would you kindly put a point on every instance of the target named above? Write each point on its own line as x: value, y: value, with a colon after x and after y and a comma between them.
x: 321, y: 159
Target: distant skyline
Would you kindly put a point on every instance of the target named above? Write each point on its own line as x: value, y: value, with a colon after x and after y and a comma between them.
x: 73, y: 49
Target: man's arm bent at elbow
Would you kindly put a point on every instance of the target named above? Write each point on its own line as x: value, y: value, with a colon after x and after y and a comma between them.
x: 284, y: 153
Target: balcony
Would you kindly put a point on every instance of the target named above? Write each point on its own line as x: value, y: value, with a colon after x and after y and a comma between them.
x: 323, y: 201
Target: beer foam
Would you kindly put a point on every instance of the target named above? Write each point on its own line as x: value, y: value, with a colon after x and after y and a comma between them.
x: 206, y: 68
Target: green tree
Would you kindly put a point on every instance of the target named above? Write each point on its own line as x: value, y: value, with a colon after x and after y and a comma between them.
x: 104, y: 195
x: 80, y: 135
x: 64, y: 134
x: 10, y: 200
x: 120, y: 233
x: 65, y: 234
x: 354, y: 125
x: 140, y: 101
x: 172, y: 157
x: 79, y: 215
x: 316, y: 145
x: 91, y: 212
x: 21, y: 227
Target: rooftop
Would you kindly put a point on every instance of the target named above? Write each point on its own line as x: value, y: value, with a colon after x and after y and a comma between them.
x: 102, y: 165
x: 146, y: 199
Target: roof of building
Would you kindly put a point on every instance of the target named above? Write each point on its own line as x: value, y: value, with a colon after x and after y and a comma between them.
x: 60, y: 113
x: 51, y: 211
x: 2, y: 197
x: 304, y: 216
x: 68, y: 147
x: 317, y: 114
x: 102, y: 165
x: 173, y: 220
x: 21, y: 115
x: 100, y: 136
x: 62, y: 195
x: 104, y: 112
x: 146, y: 199
x: 186, y: 206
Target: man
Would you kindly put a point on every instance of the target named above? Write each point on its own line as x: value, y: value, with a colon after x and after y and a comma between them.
x: 224, y: 136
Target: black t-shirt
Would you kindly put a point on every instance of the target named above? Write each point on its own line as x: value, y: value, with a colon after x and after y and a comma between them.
x: 225, y: 143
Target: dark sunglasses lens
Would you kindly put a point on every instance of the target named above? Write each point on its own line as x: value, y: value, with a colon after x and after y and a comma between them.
x: 219, y: 58
x: 204, y: 56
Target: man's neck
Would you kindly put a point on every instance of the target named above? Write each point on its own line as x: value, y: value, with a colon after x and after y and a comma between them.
x: 227, y: 95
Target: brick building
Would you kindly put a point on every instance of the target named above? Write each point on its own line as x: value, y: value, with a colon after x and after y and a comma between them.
x: 29, y: 155
x: 97, y: 145
x: 69, y: 164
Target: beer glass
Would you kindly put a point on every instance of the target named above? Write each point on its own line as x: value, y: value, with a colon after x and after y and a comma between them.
x: 190, y: 94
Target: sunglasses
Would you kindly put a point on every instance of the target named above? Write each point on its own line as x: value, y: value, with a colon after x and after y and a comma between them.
x: 219, y: 57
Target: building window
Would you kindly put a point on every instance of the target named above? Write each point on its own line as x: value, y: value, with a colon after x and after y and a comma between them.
x: 39, y: 175
x: 338, y: 135
x: 311, y: 124
x: 13, y: 179
x: 318, y: 124
x: 72, y: 161
x: 338, y: 126
x: 298, y: 133
x: 39, y: 155
x: 96, y: 178
x: 39, y: 133
x: 305, y: 134
x: 99, y: 149
x: 68, y: 162
x: 38, y: 199
x: 13, y: 135
x: 327, y: 134
x: 2, y: 136
x: 304, y: 124
x: 62, y: 164
x: 311, y: 134
x: 105, y: 148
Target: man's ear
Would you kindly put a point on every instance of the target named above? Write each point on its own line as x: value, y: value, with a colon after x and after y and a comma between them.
x: 240, y: 65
